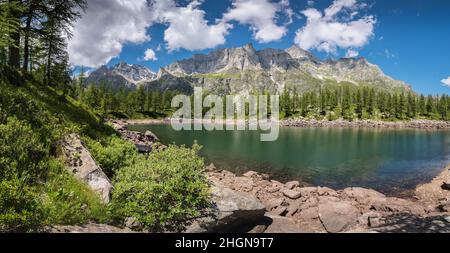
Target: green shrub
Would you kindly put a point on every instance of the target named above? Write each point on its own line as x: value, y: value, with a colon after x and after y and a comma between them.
x: 69, y: 201
x: 114, y: 154
x: 164, y: 191
x: 20, y: 210
x: 22, y: 152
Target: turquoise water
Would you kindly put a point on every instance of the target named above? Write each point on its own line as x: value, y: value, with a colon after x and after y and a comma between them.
x: 383, y: 159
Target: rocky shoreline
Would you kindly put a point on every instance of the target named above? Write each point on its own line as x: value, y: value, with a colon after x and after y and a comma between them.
x: 313, y: 123
x: 289, y: 208
x: 413, y: 124
x: 321, y: 209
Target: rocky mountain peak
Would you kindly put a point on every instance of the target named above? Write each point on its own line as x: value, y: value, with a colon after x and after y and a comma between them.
x: 122, y: 74
x: 134, y: 73
x: 240, y: 69
x: 298, y: 53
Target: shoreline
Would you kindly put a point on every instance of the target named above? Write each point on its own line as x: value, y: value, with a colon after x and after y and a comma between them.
x: 311, y: 123
x: 318, y: 209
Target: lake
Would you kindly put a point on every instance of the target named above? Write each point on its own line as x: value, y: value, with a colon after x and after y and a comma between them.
x: 388, y: 160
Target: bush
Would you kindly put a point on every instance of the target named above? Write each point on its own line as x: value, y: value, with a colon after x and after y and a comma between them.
x: 114, y: 154
x: 22, y: 153
x: 164, y: 191
x: 69, y: 201
x: 20, y: 210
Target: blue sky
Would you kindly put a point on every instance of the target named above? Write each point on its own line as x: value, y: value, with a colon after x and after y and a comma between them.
x: 408, y: 39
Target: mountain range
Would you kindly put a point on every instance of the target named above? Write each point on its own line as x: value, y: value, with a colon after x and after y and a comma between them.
x: 244, y: 70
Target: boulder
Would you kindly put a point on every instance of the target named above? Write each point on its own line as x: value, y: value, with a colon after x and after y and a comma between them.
x: 368, y: 218
x: 292, y: 194
x: 232, y: 211
x: 325, y: 191
x: 362, y: 195
x: 150, y: 136
x: 337, y: 215
x: 293, y: 208
x: 250, y: 174
x: 80, y: 162
x: 308, y: 191
x: 291, y: 185
x: 133, y: 223
x: 280, y: 211
x: 274, y: 203
x: 211, y: 168
x: 309, y: 214
x: 244, y: 184
x: 280, y: 225
x: 397, y: 205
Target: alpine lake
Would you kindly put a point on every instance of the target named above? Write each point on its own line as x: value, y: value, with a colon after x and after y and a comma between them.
x: 391, y: 161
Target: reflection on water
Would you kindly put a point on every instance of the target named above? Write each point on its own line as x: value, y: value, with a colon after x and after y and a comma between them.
x: 387, y: 160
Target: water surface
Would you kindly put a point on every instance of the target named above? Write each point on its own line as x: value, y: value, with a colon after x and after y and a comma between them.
x: 384, y: 159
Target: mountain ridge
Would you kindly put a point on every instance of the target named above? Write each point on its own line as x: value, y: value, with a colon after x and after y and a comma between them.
x: 245, y: 69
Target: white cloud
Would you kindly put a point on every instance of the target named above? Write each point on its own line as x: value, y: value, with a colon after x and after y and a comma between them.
x: 107, y: 26
x: 446, y: 82
x: 262, y: 17
x: 150, y: 55
x: 187, y: 26
x: 338, y: 26
x: 352, y: 53
x: 101, y: 33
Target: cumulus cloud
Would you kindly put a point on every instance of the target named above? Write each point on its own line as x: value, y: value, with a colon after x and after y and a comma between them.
x: 262, y: 17
x: 338, y: 26
x: 187, y: 26
x: 351, y: 53
x: 150, y: 55
x: 446, y: 82
x: 108, y: 26
x: 104, y: 29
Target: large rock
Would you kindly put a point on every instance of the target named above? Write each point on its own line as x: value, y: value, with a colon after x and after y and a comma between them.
x: 83, y: 166
x: 292, y: 194
x: 232, y: 211
x: 337, y: 215
x: 280, y: 225
x: 363, y: 196
x: 397, y: 205
x: 293, y: 184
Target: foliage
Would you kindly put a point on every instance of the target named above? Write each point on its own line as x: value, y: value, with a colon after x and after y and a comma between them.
x: 35, y: 189
x: 20, y: 210
x: 164, y: 191
x: 364, y: 103
x: 22, y: 153
x: 113, y: 154
x: 69, y: 201
x: 122, y: 103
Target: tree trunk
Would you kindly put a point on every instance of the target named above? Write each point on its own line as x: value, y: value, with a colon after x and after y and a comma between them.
x: 14, y: 48
x: 14, y: 51
x: 26, y: 49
